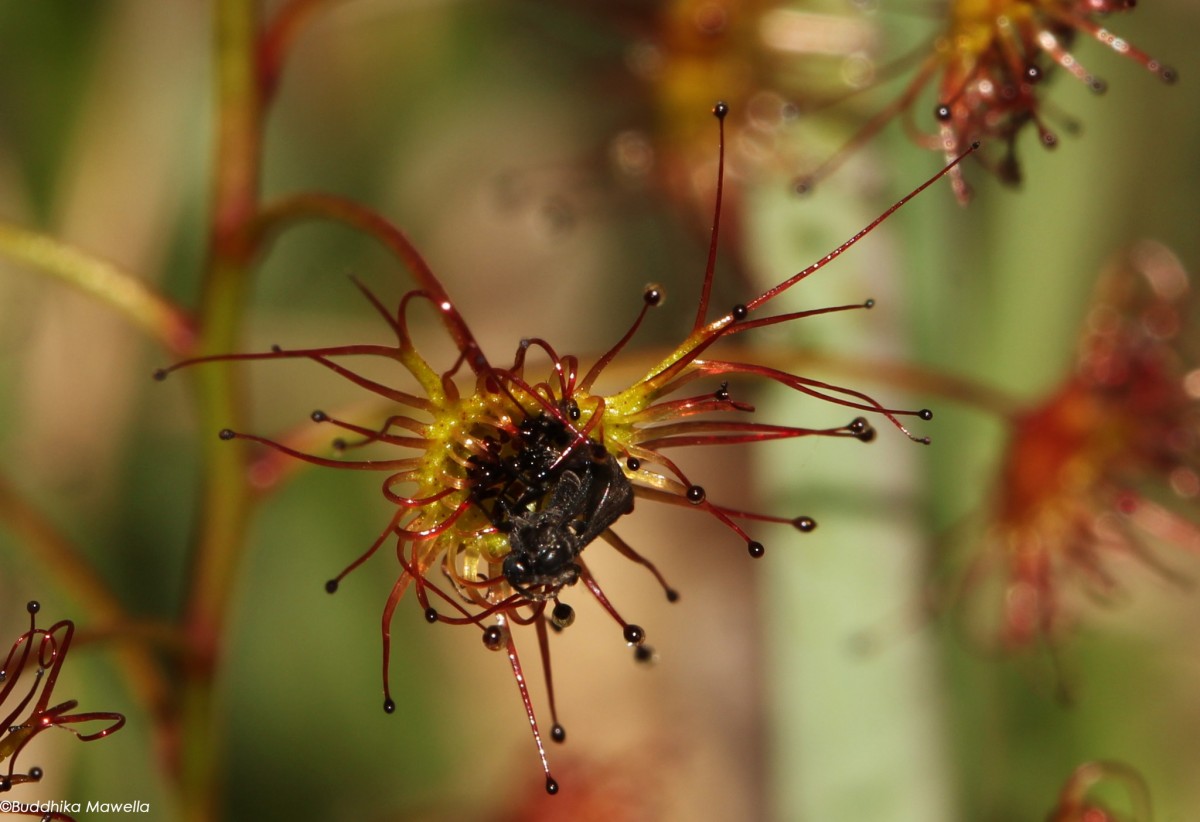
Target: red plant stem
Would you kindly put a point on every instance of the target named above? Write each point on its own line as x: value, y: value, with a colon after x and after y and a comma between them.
x: 279, y: 37
x: 354, y: 215
x: 225, y: 497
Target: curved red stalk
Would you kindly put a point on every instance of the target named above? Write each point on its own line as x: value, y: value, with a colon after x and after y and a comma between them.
x: 626, y: 550
x: 340, y: 209
x: 332, y: 584
x: 371, y: 435
x: 586, y: 384
x: 319, y: 356
x: 598, y: 593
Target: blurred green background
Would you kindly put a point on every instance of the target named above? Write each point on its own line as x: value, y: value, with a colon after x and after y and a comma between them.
x: 486, y: 131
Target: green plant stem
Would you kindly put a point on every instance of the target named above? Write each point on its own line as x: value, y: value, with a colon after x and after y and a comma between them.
x: 225, y: 499
x: 164, y: 321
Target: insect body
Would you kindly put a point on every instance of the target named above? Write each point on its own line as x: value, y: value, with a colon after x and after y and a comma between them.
x: 552, y: 496
x: 585, y: 500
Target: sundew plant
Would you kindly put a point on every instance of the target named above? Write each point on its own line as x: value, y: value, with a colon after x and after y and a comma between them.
x: 460, y: 243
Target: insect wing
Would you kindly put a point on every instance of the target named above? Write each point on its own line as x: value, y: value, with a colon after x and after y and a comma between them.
x: 610, y: 496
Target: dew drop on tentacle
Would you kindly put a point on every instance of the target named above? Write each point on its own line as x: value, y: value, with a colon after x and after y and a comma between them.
x: 634, y: 634
x: 319, y: 416
x: 633, y: 463
x: 431, y: 615
x: 721, y: 109
x: 653, y: 295
x: 226, y: 434
x: 861, y: 429
x: 493, y: 637
x: 389, y: 706
x: 36, y: 773
x: 755, y: 549
x: 562, y: 615
x: 33, y: 606
x: 558, y: 733
x: 551, y: 786
x: 695, y: 494
x: 805, y: 524
x: 942, y: 113
x: 331, y: 586
x: 739, y: 312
